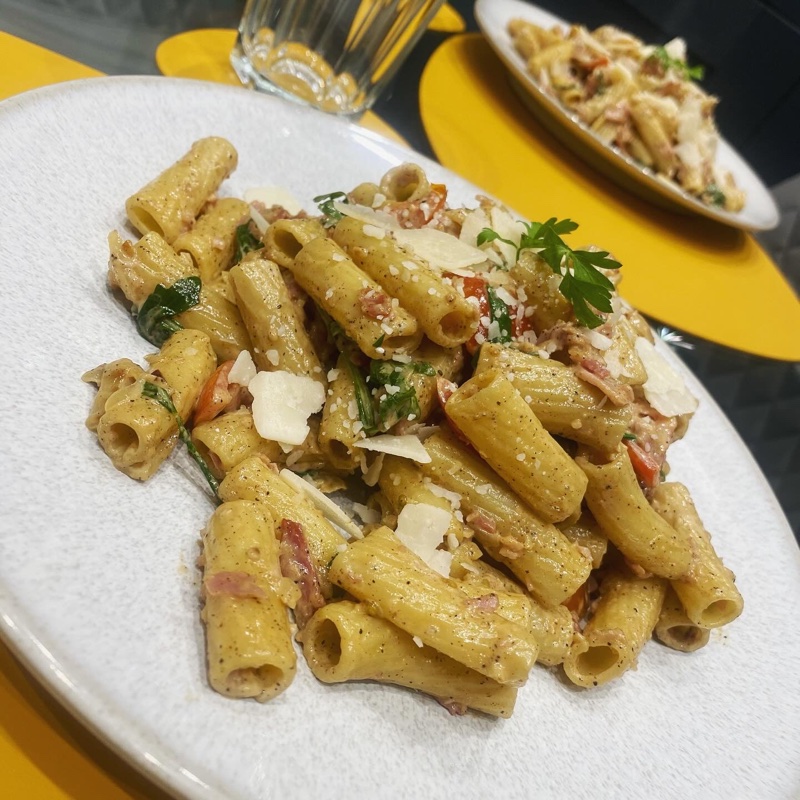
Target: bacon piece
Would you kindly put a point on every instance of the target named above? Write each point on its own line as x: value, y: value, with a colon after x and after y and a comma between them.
x: 486, y: 602
x: 275, y: 212
x: 481, y: 523
x: 592, y: 371
x: 375, y: 304
x: 647, y: 469
x: 296, y: 564
x: 232, y: 584
x: 455, y: 708
x: 418, y: 213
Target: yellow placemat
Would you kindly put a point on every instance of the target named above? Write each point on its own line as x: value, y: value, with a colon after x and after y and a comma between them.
x: 25, y: 66
x: 686, y: 271
x: 204, y: 54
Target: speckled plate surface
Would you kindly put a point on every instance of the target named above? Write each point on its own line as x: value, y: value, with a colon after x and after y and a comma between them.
x: 98, y: 589
x: 760, y: 211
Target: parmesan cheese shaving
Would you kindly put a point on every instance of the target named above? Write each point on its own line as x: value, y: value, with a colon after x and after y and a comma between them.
x: 282, y: 404
x: 422, y: 528
x: 664, y: 387
x: 324, y: 504
x: 406, y: 446
x: 366, y: 214
x: 441, y: 250
x: 243, y: 369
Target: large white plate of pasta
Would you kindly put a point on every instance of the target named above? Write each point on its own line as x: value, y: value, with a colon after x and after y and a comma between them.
x: 635, y: 111
x: 101, y: 593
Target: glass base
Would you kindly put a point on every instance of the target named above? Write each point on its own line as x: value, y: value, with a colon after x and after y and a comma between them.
x: 297, y: 73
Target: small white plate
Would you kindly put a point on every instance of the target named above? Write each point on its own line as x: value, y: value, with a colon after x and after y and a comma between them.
x: 98, y: 584
x: 760, y: 211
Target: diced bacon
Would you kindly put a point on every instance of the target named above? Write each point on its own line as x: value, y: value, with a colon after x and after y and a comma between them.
x: 296, y: 564
x: 455, y: 708
x: 232, y: 584
x: 486, y: 602
x: 274, y: 213
x: 481, y: 523
x: 375, y: 304
x: 218, y: 395
x: 595, y: 373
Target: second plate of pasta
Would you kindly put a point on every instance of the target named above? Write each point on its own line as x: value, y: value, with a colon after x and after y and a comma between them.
x: 599, y: 94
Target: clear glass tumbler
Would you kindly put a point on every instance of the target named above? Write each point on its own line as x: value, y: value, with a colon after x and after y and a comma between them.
x: 336, y: 55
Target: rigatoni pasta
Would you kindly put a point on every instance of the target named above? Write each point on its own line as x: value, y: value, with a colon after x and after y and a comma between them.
x: 502, y: 441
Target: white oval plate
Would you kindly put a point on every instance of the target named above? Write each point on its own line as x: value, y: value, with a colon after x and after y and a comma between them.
x: 760, y: 211
x: 98, y: 588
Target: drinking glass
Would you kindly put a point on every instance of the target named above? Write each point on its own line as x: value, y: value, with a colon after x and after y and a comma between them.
x: 336, y: 55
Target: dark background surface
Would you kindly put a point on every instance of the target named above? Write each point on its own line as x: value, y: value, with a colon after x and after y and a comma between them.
x: 751, y: 53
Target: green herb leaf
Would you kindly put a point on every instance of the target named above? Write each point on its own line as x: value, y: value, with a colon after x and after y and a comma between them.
x: 245, y: 242
x: 498, y: 312
x: 379, y: 341
x: 695, y: 73
x: 366, y: 409
x: 582, y: 283
x: 631, y: 437
x: 402, y: 401
x: 714, y: 195
x: 154, y: 320
x: 488, y: 235
x: 161, y: 396
x: 329, y: 211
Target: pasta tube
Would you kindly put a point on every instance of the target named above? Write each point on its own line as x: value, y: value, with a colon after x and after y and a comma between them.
x: 708, y: 593
x: 135, y: 431
x: 211, y: 243
x: 344, y: 642
x: 358, y: 303
x: 623, y: 621
x: 169, y: 204
x: 562, y: 402
x: 229, y: 439
x: 490, y: 412
x: 547, y: 563
x: 337, y: 430
x: 136, y: 269
x: 280, y: 341
x: 285, y: 238
x: 622, y: 511
x: 676, y: 630
x: 443, y: 313
x: 248, y: 640
x: 254, y: 479
x: 400, y: 586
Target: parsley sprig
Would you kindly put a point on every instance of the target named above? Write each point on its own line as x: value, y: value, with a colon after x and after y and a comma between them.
x: 582, y: 283
x: 161, y: 396
x: 325, y: 202
x: 694, y: 73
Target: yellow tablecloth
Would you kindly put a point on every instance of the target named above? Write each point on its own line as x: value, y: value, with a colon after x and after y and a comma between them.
x: 686, y: 271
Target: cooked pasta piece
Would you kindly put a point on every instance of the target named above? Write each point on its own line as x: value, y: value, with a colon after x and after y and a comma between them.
x: 356, y: 302
x: 492, y: 414
x: 211, y: 243
x: 344, y: 642
x: 546, y: 562
x: 623, y: 621
x: 622, y: 511
x: 136, y: 432
x: 400, y: 586
x: 248, y: 639
x: 169, y: 204
x: 676, y: 630
x: 708, y: 593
